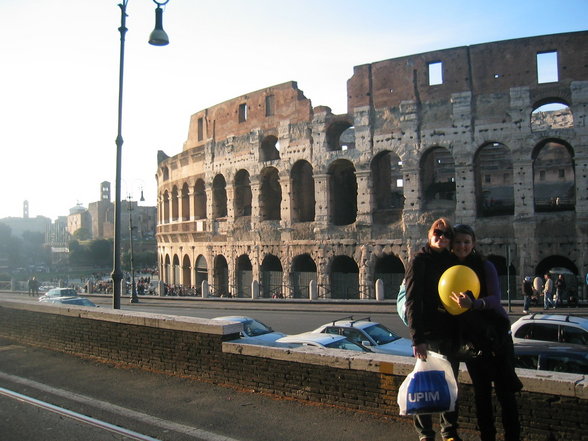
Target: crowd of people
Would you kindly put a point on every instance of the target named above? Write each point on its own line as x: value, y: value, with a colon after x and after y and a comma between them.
x: 554, y: 293
x: 479, y: 336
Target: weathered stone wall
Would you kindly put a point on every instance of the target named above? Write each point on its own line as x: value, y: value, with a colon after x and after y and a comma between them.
x: 552, y: 406
x: 289, y: 181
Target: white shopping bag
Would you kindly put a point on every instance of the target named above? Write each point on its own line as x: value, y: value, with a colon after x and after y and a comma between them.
x: 430, y: 388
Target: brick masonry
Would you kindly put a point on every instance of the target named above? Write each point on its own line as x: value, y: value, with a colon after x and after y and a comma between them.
x: 552, y: 406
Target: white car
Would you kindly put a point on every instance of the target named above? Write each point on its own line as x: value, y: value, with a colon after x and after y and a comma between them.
x: 58, y: 292
x: 561, y: 328
x: 253, y: 330
x: 372, y: 335
x: 79, y: 301
x: 322, y: 340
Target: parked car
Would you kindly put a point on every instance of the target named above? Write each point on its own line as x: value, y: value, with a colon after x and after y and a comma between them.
x: 59, y: 292
x: 370, y: 334
x: 558, y: 328
x: 254, y: 331
x: 552, y: 357
x: 79, y: 301
x: 323, y: 340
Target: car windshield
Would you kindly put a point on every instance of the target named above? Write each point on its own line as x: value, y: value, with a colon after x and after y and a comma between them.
x: 380, y: 334
x: 345, y: 344
x: 253, y: 328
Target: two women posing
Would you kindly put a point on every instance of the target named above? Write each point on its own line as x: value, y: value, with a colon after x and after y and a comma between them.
x: 484, y: 326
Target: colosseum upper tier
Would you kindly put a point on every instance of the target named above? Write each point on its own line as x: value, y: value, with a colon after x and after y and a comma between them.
x: 273, y: 197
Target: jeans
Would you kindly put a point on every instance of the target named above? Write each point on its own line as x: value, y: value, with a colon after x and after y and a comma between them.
x: 447, y: 420
x: 527, y: 303
x: 483, y: 371
x: 547, y: 300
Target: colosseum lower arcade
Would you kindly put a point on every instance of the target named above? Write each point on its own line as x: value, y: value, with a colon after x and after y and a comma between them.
x: 272, y: 197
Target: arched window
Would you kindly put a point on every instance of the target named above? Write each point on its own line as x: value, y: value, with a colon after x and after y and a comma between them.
x: 390, y: 270
x: 201, y: 272
x: 438, y: 179
x: 343, y: 192
x: 219, y: 197
x: 303, y: 271
x: 185, y: 202
x: 494, y: 180
x: 340, y: 136
x: 302, y: 192
x: 186, y: 272
x: 199, y: 200
x: 175, y: 204
x: 554, y: 181
x: 221, y: 277
x: 271, y: 278
x: 551, y: 113
x: 244, y: 276
x: 387, y: 188
x: 165, y: 207
x: 270, y: 149
x: 270, y: 194
x: 242, y: 194
x: 344, y: 278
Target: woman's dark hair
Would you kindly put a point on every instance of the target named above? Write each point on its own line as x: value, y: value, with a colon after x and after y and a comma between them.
x: 464, y: 229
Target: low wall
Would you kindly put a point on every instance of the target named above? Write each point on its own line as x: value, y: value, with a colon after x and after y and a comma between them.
x: 552, y: 406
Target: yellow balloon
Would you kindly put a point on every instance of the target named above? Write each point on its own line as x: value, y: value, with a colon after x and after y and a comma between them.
x: 458, y: 278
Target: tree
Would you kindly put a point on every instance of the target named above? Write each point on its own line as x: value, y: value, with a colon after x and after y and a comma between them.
x: 82, y: 234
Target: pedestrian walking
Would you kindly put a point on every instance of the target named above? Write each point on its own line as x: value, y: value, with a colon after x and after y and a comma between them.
x: 560, y: 289
x: 548, y: 293
x: 527, y: 293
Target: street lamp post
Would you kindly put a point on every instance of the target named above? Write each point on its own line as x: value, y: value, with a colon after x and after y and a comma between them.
x: 157, y: 38
x: 134, y: 298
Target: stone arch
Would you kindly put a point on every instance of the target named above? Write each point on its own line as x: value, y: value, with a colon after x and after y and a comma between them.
x: 272, y: 277
x: 270, y: 149
x: 343, y: 192
x: 186, y: 272
x: 219, y: 197
x: 221, y: 277
x: 199, y: 199
x: 302, y: 192
x: 493, y: 169
x: 175, y: 204
x: 387, y: 187
x: 390, y: 269
x: 438, y: 179
x: 344, y: 277
x: 165, y: 207
x: 242, y: 194
x: 166, y: 269
x: 340, y: 135
x: 270, y: 194
x: 551, y: 113
x: 556, y: 265
x: 244, y: 276
x: 554, y: 179
x: 176, y: 270
x: 201, y: 271
x: 185, y: 202
x: 303, y: 271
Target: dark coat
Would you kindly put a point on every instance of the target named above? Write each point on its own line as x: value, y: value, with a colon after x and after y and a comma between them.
x: 427, y: 318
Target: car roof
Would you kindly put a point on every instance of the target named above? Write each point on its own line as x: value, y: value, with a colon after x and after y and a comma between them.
x: 312, y: 337
x: 349, y: 322
x: 234, y: 318
x: 554, y: 318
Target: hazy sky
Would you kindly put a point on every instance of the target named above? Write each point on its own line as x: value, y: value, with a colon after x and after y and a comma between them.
x: 60, y: 64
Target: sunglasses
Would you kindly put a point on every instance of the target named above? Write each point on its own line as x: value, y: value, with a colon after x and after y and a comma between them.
x: 441, y: 233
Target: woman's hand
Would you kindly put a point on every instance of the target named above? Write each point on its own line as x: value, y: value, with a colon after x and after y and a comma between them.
x: 462, y: 299
x: 420, y: 351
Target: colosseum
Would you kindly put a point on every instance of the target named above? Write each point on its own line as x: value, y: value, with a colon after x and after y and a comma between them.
x: 272, y: 197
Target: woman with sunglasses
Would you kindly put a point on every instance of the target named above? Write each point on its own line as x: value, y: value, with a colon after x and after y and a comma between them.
x: 431, y: 327
x: 486, y: 326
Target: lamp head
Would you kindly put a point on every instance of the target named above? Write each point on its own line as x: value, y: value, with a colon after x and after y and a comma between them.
x: 158, y: 37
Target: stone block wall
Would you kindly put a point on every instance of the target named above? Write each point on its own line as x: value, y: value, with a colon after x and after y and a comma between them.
x: 552, y: 406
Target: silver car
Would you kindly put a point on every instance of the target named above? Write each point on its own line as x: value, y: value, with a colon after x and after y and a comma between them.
x: 370, y: 334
